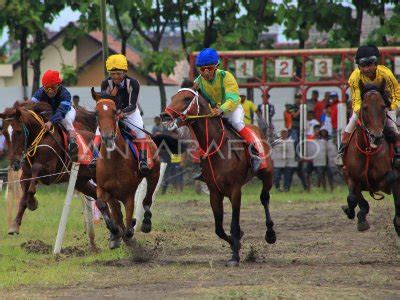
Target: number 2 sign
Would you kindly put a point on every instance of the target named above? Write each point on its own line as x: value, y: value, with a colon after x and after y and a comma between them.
x: 283, y: 67
x: 323, y: 67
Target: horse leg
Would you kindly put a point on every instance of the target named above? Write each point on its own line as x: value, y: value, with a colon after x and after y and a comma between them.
x: 217, y: 205
x: 235, y: 227
x: 32, y: 201
x: 352, y: 201
x: 129, y: 222
x: 363, y: 224
x: 396, y: 198
x: 14, y: 228
x: 266, y: 180
x: 148, y: 201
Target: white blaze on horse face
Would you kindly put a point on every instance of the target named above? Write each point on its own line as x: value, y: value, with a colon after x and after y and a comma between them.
x: 105, y: 107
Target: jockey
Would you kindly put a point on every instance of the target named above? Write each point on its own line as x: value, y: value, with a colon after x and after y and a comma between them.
x: 126, y: 102
x: 369, y: 72
x: 221, y: 90
x: 54, y: 93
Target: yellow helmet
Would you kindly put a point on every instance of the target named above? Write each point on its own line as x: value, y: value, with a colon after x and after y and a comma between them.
x: 117, y: 62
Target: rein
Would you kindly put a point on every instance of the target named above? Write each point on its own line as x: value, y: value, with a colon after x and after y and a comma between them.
x: 204, y: 153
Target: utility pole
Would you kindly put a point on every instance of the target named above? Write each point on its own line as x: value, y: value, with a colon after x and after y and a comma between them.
x: 104, y: 33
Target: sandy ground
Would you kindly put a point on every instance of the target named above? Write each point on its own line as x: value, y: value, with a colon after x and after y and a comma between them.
x: 319, y: 253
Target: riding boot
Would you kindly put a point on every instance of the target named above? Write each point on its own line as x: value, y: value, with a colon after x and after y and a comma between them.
x: 143, y: 166
x: 256, y: 149
x: 72, y: 145
x: 199, y: 176
x: 342, y: 148
x: 96, y: 151
x: 392, y: 135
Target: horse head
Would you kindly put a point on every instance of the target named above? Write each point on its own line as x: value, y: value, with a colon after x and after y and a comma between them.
x: 185, y: 103
x: 373, y: 112
x: 107, y: 117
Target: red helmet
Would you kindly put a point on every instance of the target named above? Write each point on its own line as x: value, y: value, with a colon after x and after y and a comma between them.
x: 51, y: 77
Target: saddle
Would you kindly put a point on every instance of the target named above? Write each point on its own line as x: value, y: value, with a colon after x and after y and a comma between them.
x: 85, y: 154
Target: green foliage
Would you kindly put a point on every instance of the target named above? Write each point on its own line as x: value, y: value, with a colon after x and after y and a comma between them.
x: 69, y: 75
x: 162, y: 62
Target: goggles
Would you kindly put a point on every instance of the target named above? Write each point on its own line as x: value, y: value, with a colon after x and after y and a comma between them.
x: 116, y: 72
x: 367, y: 61
x: 49, y: 89
x: 209, y: 68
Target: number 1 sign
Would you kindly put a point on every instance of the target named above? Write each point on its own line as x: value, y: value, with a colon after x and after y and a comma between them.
x: 283, y: 67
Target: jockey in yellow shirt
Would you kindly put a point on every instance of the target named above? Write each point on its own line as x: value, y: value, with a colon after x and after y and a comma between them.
x: 221, y: 90
x: 369, y: 72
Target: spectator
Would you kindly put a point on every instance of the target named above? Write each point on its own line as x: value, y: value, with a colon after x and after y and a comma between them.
x: 313, y: 101
x: 295, y: 112
x: 75, y: 101
x: 311, y: 122
x: 319, y: 108
x: 158, y: 127
x: 3, y: 144
x: 283, y: 156
x: 326, y: 120
x: 249, y: 109
x: 287, y: 116
x: 323, y: 162
x: 334, y: 102
x: 174, y: 172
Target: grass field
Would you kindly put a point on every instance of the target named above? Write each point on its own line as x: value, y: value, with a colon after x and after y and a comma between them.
x: 184, y: 249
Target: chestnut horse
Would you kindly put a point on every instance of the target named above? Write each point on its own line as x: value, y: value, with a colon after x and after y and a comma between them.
x: 118, y: 175
x: 47, y: 157
x: 225, y: 164
x: 368, y: 159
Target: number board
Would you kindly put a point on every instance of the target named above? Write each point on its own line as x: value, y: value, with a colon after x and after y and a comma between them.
x: 244, y: 68
x: 397, y: 65
x: 323, y: 67
x: 283, y: 67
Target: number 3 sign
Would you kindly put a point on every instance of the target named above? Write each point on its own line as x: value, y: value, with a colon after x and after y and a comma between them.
x: 323, y: 67
x: 283, y: 67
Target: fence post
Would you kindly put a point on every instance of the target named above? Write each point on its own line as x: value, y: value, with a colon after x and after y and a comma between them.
x: 88, y: 216
x: 66, y: 208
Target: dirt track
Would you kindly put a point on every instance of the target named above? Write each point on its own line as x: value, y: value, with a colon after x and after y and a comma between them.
x: 319, y: 253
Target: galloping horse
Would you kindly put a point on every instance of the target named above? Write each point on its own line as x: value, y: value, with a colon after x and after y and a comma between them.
x: 368, y: 159
x: 45, y: 155
x: 118, y: 175
x: 225, y: 167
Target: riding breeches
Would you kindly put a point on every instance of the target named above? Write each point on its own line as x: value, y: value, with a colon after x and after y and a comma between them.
x: 390, y: 122
x: 235, y: 118
x: 132, y: 120
x: 68, y: 121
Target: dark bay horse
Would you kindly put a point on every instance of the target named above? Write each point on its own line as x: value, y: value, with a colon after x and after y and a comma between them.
x: 225, y: 164
x: 47, y: 156
x: 118, y: 176
x: 368, y: 159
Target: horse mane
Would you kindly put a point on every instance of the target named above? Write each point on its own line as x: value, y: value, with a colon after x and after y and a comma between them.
x: 87, y: 117
x: 370, y: 87
x: 37, y: 107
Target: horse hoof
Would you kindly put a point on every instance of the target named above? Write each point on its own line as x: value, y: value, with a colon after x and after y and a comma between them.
x: 270, y: 237
x: 128, y: 234
x: 363, y: 226
x: 33, y: 204
x: 232, y: 263
x: 14, y: 229
x: 146, y: 226
x: 350, y: 214
x: 114, y: 242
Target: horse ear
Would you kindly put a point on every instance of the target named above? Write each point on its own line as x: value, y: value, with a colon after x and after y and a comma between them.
x: 96, y: 97
x: 17, y: 112
x: 382, y: 87
x: 2, y: 116
x: 16, y: 104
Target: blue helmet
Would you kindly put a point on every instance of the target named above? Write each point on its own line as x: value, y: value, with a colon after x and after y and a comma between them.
x: 207, y: 56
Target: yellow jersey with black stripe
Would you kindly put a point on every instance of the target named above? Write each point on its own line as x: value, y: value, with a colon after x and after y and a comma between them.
x: 382, y: 72
x: 222, y: 91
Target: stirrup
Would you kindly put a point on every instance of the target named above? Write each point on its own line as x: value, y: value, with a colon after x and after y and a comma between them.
x: 144, y: 167
x: 199, y: 177
x: 73, y: 149
x: 255, y: 162
x: 92, y: 164
x: 338, y: 160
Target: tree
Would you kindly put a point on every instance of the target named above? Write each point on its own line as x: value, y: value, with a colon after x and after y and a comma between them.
x: 150, y: 21
x: 120, y: 10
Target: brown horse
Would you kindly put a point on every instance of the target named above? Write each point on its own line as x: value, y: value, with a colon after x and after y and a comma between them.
x: 225, y: 164
x: 368, y: 159
x: 47, y: 157
x: 118, y: 175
